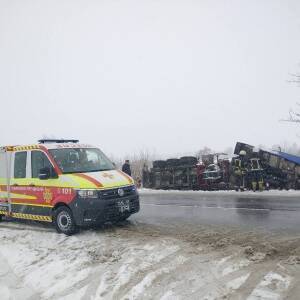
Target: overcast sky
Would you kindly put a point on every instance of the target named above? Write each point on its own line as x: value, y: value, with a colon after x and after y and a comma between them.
x: 170, y: 76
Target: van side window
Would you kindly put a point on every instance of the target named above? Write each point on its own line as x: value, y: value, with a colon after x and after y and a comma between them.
x: 3, y: 168
x: 20, y: 165
x: 39, y: 160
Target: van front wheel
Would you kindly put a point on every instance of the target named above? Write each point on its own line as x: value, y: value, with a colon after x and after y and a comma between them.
x: 64, y: 221
x: 124, y: 218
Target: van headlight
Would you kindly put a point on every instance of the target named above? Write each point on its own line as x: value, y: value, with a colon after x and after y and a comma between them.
x: 135, y: 190
x: 87, y: 193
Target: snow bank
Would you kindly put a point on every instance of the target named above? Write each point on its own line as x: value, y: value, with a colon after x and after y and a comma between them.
x: 121, y: 263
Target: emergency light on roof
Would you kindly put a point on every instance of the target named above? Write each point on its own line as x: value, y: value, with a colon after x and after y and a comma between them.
x: 59, y: 141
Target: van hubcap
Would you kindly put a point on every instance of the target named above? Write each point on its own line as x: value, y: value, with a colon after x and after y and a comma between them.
x: 64, y: 220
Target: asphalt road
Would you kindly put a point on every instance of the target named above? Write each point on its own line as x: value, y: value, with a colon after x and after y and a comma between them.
x: 271, y: 211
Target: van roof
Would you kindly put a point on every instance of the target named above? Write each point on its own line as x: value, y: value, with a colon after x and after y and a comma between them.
x: 48, y: 141
x: 47, y: 146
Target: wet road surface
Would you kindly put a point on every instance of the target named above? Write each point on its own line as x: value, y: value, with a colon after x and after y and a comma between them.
x: 271, y: 211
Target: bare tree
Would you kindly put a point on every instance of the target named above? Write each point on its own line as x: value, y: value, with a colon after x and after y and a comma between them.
x: 295, y: 78
x: 116, y: 160
x: 204, y: 151
x: 287, y: 147
x: 137, y: 162
x: 229, y: 151
x: 294, y: 114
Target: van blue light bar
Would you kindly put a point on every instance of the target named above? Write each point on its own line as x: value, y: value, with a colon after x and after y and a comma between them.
x: 59, y: 141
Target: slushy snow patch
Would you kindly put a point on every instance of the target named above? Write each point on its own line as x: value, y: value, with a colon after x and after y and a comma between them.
x: 271, y: 287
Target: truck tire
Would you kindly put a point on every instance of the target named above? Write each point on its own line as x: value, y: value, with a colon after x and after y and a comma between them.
x: 159, y: 164
x: 64, y: 221
x: 172, y: 162
x: 188, y: 160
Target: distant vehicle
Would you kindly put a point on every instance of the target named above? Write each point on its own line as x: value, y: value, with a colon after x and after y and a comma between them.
x: 64, y: 182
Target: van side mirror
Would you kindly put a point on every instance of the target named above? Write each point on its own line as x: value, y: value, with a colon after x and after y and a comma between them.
x: 47, y: 173
x: 44, y: 173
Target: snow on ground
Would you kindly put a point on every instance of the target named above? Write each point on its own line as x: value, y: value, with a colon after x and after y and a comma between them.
x: 126, y: 262
x: 271, y: 287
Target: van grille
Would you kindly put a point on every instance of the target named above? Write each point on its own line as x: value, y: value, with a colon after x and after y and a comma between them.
x: 113, y: 193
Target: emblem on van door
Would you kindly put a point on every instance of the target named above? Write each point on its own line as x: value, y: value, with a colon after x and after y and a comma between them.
x: 121, y: 192
x: 48, y: 196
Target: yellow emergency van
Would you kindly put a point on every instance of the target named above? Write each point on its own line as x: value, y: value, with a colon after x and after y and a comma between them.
x: 66, y: 183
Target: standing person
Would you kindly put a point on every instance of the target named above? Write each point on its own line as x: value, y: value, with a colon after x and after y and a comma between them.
x: 126, y: 167
x: 145, y: 176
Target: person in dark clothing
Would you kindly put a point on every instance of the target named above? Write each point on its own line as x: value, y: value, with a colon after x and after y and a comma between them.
x: 126, y: 168
x: 145, y: 176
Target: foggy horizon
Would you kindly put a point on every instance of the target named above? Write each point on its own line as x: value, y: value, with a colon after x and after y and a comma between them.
x: 170, y: 77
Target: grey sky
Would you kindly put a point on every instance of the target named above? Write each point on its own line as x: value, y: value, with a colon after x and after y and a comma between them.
x: 172, y: 76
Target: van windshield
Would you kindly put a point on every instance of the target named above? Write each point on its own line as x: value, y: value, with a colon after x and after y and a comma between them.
x: 81, y: 160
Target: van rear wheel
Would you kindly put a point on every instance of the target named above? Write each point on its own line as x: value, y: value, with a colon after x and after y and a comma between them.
x: 64, y: 221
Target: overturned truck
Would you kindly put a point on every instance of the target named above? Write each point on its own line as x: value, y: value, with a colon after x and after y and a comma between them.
x: 188, y: 173
x: 250, y: 169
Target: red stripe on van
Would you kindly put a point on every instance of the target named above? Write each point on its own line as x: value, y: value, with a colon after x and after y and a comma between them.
x: 90, y: 179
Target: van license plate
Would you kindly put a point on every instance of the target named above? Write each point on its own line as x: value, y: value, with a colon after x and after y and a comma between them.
x: 124, y: 206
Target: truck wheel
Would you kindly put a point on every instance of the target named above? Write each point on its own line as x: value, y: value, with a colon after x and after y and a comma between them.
x: 160, y: 164
x: 172, y: 162
x: 188, y: 160
x: 64, y: 221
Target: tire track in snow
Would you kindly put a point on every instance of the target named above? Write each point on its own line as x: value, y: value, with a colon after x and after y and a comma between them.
x: 138, y: 288
x: 12, y: 286
x: 131, y: 271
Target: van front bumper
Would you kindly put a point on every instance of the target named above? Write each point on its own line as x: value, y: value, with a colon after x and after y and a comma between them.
x: 93, y: 211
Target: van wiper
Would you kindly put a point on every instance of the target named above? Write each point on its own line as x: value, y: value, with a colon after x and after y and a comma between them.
x: 100, y: 170
x: 87, y: 171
